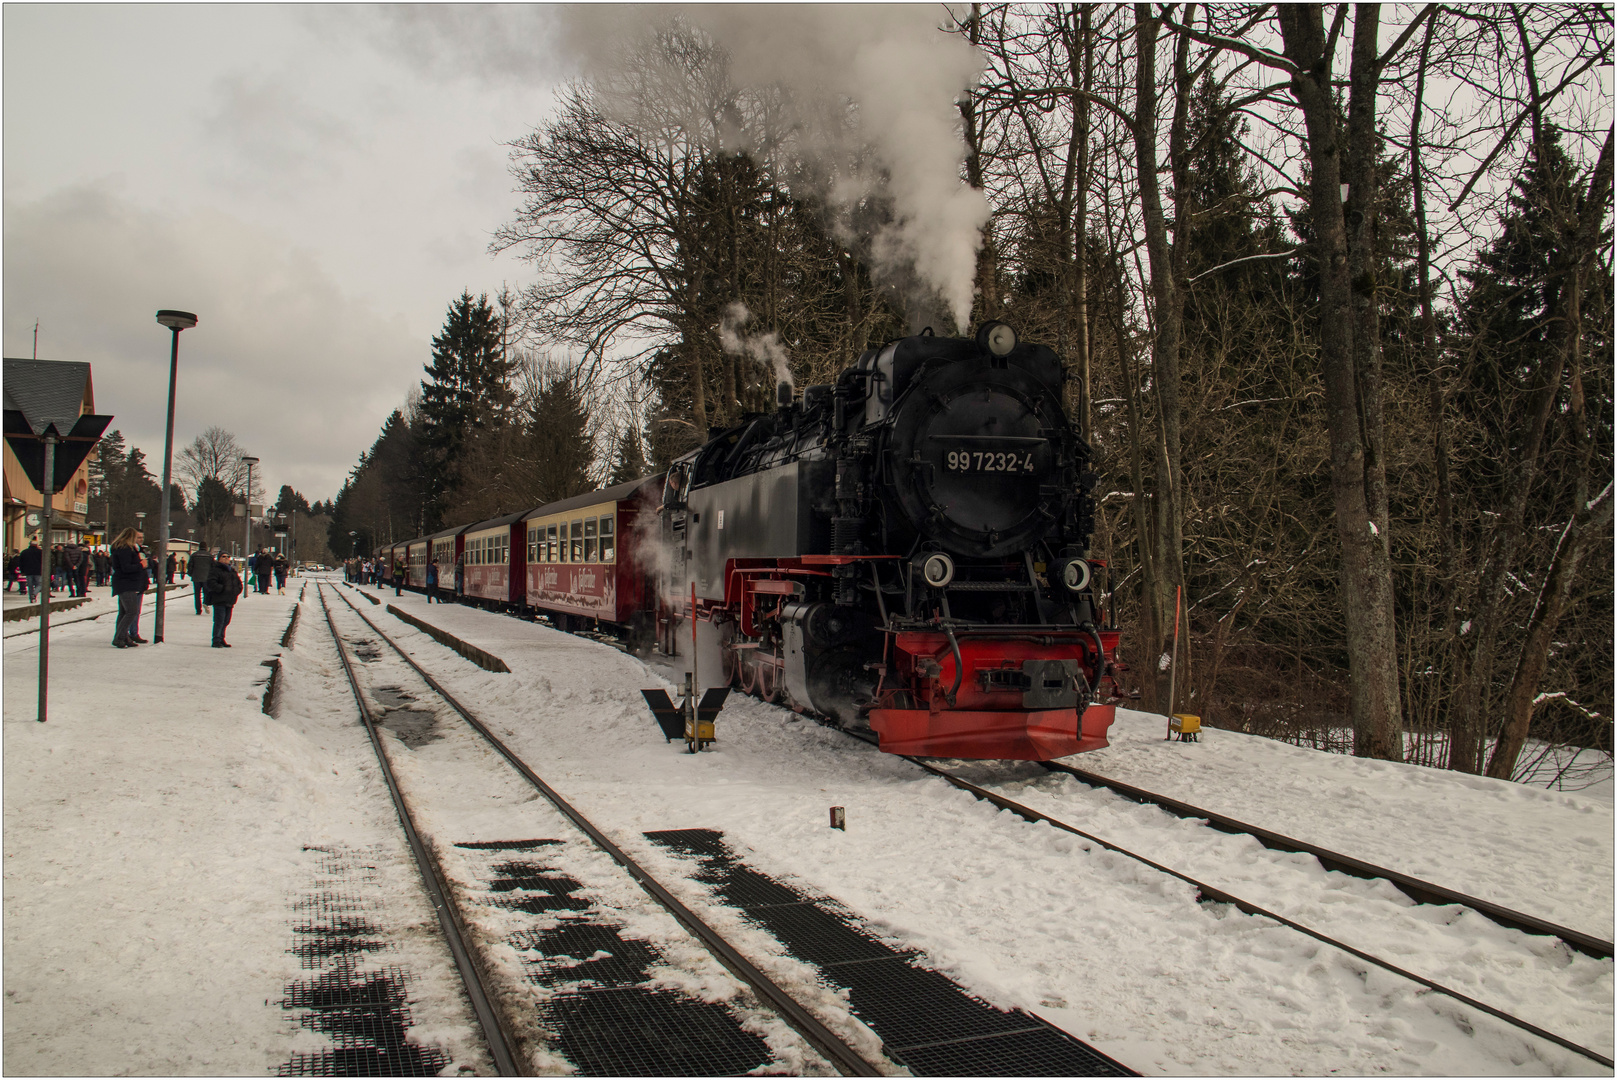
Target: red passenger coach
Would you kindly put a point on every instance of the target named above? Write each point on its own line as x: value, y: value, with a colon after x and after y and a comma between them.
x: 587, y: 558
x: 494, y: 565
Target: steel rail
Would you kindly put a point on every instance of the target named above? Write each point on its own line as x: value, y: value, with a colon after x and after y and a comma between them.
x: 1423, y: 892
x: 839, y: 1053
x: 437, y: 889
x: 1210, y: 892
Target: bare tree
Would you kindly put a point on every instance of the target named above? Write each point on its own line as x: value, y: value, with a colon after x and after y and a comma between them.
x: 215, y: 453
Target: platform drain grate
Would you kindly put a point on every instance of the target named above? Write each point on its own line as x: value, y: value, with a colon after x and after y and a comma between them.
x: 363, y: 1010
x: 604, y: 1015
x: 925, y: 1020
x: 639, y: 1031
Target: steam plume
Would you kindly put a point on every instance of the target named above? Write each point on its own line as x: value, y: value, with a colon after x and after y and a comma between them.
x: 862, y: 97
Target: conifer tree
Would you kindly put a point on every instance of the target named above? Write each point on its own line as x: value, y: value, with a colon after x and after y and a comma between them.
x: 563, y: 446
x: 467, y: 385
x: 630, y: 463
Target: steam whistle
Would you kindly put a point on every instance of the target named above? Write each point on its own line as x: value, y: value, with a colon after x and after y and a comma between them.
x: 691, y: 720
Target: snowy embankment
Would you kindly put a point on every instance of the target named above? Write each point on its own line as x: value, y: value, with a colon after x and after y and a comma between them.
x: 156, y: 833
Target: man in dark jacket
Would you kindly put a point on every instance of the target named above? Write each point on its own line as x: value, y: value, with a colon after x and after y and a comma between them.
x: 222, y: 589
x: 31, y: 564
x: 79, y: 569
x: 197, y: 570
x: 263, y: 570
x: 170, y: 564
x: 103, y: 567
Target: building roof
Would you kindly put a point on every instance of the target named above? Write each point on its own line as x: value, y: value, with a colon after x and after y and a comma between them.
x: 47, y: 392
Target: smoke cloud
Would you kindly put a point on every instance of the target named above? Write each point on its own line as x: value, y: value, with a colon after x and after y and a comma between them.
x: 765, y: 348
x: 856, y: 102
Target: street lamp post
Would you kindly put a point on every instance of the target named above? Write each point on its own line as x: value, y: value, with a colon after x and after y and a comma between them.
x: 175, y: 321
x: 247, y: 541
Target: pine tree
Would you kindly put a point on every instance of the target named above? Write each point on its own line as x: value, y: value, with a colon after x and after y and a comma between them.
x: 563, y: 447
x: 468, y: 384
x: 289, y: 500
x: 631, y: 459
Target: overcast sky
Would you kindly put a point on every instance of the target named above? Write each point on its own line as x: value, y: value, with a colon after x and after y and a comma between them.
x: 316, y: 183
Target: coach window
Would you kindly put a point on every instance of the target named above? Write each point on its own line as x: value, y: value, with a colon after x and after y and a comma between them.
x: 608, y: 545
x: 550, y: 543
x: 578, y: 540
x: 591, y: 552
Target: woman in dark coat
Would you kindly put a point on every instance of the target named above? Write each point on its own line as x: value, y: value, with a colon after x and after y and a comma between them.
x: 224, y: 586
x: 129, y: 583
x: 281, y: 567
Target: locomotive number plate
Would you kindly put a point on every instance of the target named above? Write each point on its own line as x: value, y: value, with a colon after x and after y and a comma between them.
x: 989, y: 461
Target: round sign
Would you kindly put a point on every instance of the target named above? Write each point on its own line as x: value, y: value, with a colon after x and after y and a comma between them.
x: 33, y: 519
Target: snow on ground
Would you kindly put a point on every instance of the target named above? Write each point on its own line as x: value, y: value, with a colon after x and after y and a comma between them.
x: 156, y: 830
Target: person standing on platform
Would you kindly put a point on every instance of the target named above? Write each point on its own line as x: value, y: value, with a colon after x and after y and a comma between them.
x: 12, y: 573
x: 171, y: 564
x: 460, y: 574
x: 224, y: 586
x: 103, y: 567
x: 31, y: 564
x: 432, y: 582
x: 399, y: 570
x: 81, y: 569
x: 129, y: 578
x: 281, y: 567
x: 197, y: 570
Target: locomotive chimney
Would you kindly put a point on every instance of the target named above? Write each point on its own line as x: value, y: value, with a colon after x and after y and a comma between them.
x: 783, y: 394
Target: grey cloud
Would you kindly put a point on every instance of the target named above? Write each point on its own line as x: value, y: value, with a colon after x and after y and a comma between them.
x: 302, y: 374
x: 279, y: 138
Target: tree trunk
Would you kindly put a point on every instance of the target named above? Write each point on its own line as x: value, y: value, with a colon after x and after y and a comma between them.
x: 1366, y: 583
x: 1162, y: 531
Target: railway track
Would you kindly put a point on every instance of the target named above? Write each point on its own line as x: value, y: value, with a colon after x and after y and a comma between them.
x: 1422, y: 892
x: 474, y: 970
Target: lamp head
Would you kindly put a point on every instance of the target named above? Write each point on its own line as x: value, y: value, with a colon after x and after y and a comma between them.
x: 176, y: 320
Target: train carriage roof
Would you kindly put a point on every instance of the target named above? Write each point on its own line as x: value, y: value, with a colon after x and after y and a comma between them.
x: 494, y: 523
x: 442, y: 533
x: 616, y: 493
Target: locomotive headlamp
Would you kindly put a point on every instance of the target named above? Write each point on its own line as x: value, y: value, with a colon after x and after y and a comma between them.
x: 1075, y: 575
x: 937, y: 569
x: 996, y: 337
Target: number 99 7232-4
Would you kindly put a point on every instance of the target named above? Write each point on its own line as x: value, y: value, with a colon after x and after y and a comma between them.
x: 988, y: 461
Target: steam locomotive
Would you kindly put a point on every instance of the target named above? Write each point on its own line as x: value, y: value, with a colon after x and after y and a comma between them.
x: 905, y: 549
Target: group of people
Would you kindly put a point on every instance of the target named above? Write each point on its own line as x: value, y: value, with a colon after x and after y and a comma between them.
x: 72, y: 568
x: 378, y: 572
x: 132, y: 570
x: 215, y: 581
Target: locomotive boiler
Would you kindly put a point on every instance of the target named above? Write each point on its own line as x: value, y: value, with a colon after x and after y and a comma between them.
x: 906, y: 549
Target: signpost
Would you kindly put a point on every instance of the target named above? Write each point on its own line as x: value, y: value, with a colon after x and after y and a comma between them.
x: 49, y: 458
